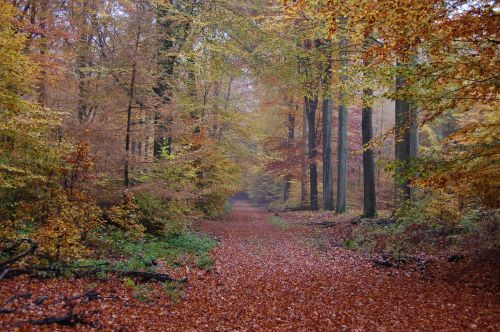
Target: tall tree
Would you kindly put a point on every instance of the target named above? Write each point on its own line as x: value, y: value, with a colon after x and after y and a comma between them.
x: 304, y: 159
x: 167, y: 58
x: 403, y: 142
x: 131, y: 97
x: 311, y: 103
x: 327, y: 135
x: 369, y: 193
x: 290, y: 148
x: 327, y: 153
x: 342, y: 126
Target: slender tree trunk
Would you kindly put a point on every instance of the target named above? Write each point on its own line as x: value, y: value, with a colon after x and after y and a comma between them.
x: 342, y: 160
x: 369, y: 194
x: 82, y: 54
x: 305, y: 158
x: 166, y: 63
x: 290, y: 146
x: 42, y: 85
x: 414, y: 142
x: 379, y: 151
x: 129, y: 120
x: 312, y: 105
x: 342, y: 133
x: 327, y: 155
x: 227, y: 97
x: 414, y: 124
x: 327, y: 136
x: 129, y: 109
x: 403, y: 144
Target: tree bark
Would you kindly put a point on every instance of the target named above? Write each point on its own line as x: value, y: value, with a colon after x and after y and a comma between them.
x: 369, y: 194
x: 166, y: 64
x: 305, y: 158
x: 82, y: 59
x: 403, y: 144
x: 42, y: 85
x: 327, y: 155
x: 327, y: 135
x: 342, y: 133
x: 129, y: 109
x: 312, y: 105
x: 414, y: 124
x: 290, y: 146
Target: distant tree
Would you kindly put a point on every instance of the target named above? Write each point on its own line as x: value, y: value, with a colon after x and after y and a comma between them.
x: 342, y: 127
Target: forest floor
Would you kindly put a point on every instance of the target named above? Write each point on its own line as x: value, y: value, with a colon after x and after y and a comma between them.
x: 269, y: 274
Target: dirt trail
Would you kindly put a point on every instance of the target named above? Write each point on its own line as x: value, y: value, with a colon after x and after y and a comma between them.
x: 267, y: 278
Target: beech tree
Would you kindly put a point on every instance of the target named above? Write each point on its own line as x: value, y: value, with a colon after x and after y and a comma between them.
x: 342, y: 124
x: 327, y: 137
x: 369, y: 193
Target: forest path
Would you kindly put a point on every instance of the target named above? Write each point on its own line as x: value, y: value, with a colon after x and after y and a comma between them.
x: 267, y: 278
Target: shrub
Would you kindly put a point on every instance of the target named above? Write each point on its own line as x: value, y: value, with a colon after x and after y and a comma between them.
x: 63, y: 234
x: 126, y: 216
x: 431, y: 222
x: 160, y: 216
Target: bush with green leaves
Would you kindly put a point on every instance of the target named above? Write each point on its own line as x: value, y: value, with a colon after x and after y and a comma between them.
x: 160, y: 216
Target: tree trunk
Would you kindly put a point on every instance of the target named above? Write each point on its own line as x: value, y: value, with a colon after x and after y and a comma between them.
x: 129, y: 109
x: 82, y: 58
x: 342, y: 133
x: 305, y: 158
x: 312, y: 105
x: 290, y: 146
x: 327, y: 135
x: 414, y: 143
x: 369, y: 194
x: 403, y: 144
x: 327, y: 155
x: 166, y: 64
x: 42, y: 84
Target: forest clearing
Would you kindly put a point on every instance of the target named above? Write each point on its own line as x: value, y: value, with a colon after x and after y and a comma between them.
x: 260, y: 165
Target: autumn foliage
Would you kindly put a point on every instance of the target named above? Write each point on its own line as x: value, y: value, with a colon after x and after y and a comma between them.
x: 126, y: 127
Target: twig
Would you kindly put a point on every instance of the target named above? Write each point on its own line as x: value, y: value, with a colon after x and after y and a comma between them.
x: 29, y: 251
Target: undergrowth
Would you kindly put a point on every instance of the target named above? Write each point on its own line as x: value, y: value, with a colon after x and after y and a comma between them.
x: 118, y: 252
x: 186, y: 248
x: 431, y: 224
x: 145, y: 292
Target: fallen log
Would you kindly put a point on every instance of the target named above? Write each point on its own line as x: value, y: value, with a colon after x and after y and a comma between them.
x: 19, y: 296
x: 40, y: 300
x: 147, y: 276
x: 91, y: 295
x: 144, y: 276
x: 382, y: 263
x: 70, y: 319
x: 6, y: 310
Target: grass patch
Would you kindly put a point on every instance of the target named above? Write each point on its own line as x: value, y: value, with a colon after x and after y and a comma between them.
x: 193, y: 247
x: 352, y: 244
x: 142, y: 292
x: 146, y: 292
x: 122, y: 253
x: 174, y: 290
